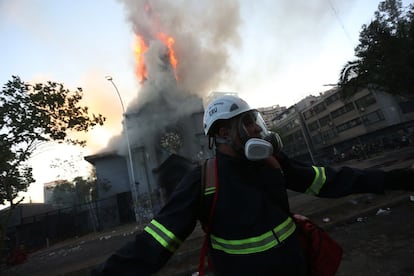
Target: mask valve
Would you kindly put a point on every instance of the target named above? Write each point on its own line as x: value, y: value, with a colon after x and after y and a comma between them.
x: 257, y: 149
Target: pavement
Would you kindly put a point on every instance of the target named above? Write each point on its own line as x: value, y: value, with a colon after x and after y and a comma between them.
x: 378, y: 243
x: 78, y: 256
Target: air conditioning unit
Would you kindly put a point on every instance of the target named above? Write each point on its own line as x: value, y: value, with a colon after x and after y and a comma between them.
x: 361, y: 109
x: 330, y: 123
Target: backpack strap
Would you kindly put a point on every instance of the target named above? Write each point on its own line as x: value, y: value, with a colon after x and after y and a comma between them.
x: 210, y: 176
x: 209, y: 184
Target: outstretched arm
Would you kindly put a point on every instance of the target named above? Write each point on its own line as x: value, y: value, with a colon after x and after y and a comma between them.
x: 337, y: 182
x: 400, y: 179
x: 162, y: 236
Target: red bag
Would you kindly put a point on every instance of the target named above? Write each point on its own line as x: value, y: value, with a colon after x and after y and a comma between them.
x: 322, y: 252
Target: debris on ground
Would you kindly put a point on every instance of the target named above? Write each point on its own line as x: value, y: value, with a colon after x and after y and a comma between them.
x: 326, y: 219
x: 383, y: 211
x: 361, y: 219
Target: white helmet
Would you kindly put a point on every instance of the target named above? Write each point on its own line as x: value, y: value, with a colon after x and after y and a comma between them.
x: 223, y: 108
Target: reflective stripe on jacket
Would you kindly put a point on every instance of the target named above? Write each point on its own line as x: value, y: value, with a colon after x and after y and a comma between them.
x: 318, y: 181
x: 256, y: 244
x: 163, y: 236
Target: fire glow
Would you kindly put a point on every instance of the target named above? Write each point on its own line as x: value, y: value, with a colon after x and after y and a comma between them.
x: 139, y: 50
x: 141, y: 47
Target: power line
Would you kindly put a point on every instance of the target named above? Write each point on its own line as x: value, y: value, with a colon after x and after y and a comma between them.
x: 340, y: 22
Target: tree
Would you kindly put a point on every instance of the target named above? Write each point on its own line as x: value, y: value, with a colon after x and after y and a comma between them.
x: 85, y: 188
x: 30, y: 114
x: 64, y: 194
x: 385, y: 53
x: 80, y: 190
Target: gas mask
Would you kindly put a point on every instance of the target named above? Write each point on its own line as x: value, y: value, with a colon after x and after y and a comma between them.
x: 259, y: 142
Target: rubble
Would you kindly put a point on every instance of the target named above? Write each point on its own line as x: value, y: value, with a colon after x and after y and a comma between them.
x: 361, y: 219
x: 383, y: 211
x: 326, y: 219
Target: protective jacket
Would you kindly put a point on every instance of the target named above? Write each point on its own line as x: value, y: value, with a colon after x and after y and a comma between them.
x: 252, y: 232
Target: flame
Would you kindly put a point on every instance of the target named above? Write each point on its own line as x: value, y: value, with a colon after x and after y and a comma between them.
x: 141, y: 47
x: 139, y: 50
x: 169, y: 42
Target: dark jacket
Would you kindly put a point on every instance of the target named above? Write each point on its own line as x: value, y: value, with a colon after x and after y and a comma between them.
x: 252, y: 232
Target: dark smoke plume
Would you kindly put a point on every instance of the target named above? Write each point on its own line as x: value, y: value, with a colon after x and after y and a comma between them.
x: 203, y: 31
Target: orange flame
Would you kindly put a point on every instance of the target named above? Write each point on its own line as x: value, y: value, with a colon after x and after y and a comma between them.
x: 169, y: 42
x: 140, y: 49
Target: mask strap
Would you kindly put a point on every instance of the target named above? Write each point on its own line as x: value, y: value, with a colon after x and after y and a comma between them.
x: 241, y: 130
x: 211, y: 142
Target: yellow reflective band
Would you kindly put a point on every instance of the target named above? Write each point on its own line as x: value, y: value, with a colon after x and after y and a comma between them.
x: 209, y: 190
x: 255, y: 244
x: 318, y: 181
x: 162, y: 235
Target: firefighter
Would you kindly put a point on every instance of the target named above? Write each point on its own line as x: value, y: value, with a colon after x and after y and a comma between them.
x: 252, y: 232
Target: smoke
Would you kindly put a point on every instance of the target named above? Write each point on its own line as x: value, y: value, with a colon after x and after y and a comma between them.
x: 203, y: 33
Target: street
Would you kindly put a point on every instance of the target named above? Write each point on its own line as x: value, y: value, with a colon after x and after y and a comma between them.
x: 373, y: 244
x: 380, y: 244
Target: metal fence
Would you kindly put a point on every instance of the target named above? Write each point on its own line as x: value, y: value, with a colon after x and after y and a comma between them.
x: 43, y: 230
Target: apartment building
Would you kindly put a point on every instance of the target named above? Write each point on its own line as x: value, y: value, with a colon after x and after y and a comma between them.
x: 334, y: 126
x: 268, y: 113
x: 290, y: 125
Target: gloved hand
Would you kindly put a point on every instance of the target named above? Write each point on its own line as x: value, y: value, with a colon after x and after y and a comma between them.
x: 274, y: 139
x: 400, y: 179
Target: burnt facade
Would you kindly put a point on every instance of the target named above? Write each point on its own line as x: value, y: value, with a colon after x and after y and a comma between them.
x: 164, y: 143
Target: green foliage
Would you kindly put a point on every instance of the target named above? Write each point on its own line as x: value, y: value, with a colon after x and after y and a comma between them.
x: 70, y: 166
x: 30, y: 114
x: 385, y: 53
x: 80, y: 190
x: 64, y: 194
x: 85, y: 188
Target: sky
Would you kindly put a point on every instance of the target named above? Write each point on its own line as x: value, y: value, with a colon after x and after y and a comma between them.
x: 270, y: 52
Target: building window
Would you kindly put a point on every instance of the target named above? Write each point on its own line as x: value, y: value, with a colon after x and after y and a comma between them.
x: 342, y: 110
x: 331, y: 99
x: 290, y: 125
x: 294, y: 142
x: 373, y: 117
x: 319, y: 108
x: 324, y: 120
x: 297, y: 135
x: 328, y: 134
x: 308, y: 114
x: 347, y: 125
x: 365, y: 101
x: 313, y: 126
x: 407, y: 107
x: 317, y: 139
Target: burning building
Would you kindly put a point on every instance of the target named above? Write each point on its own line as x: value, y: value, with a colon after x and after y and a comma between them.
x: 176, y: 67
